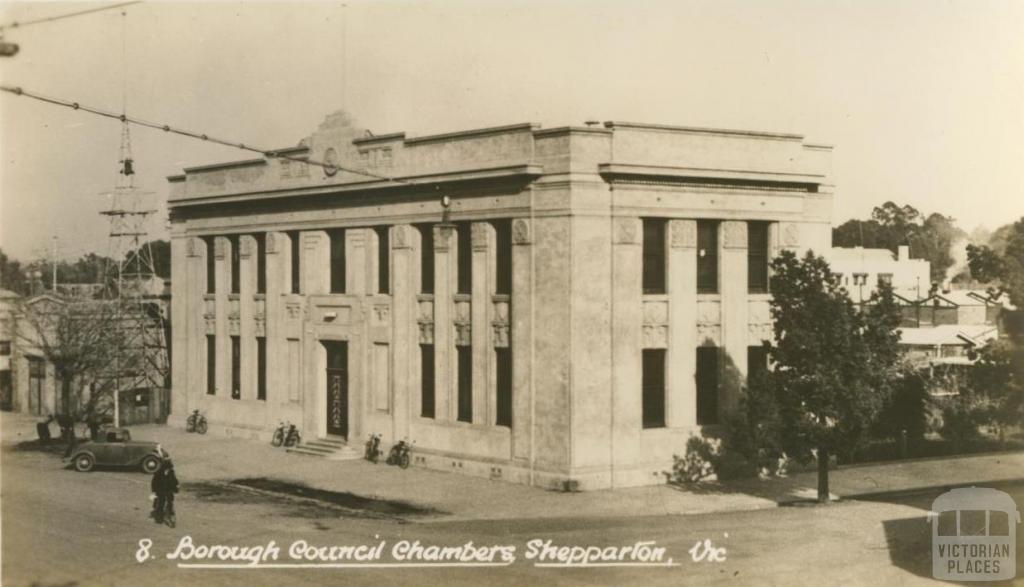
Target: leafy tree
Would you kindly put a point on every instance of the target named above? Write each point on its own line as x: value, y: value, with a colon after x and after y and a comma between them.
x: 929, y: 237
x: 834, y: 364
x: 12, y: 275
x: 1006, y: 269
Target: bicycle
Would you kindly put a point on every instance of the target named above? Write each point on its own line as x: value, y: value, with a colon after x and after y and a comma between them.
x: 279, y: 434
x: 287, y: 434
x: 400, y: 454
x: 163, y: 511
x: 196, y: 423
x: 372, y: 453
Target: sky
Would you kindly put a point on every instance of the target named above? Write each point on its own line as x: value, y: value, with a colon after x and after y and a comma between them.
x: 920, y: 98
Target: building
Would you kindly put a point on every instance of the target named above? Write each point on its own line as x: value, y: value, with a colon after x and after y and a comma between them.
x: 8, y: 342
x: 860, y: 271
x: 588, y: 299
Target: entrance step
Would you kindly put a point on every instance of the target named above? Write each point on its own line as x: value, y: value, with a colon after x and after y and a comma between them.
x: 333, y: 449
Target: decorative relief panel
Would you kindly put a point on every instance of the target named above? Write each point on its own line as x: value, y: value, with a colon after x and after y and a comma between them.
x: 234, y: 324
x: 400, y: 238
x: 426, y: 332
x: 245, y: 247
x: 273, y: 242
x: 734, y: 235
x: 789, y: 234
x: 463, y: 311
x: 627, y: 231
x: 655, y: 336
x: 709, y: 335
x: 708, y: 313
x: 426, y: 310
x: 210, y: 321
x: 759, y: 333
x: 655, y: 312
x: 194, y: 246
x: 521, y: 231
x: 259, y: 308
x: 501, y: 323
x: 381, y: 314
x: 759, y: 312
x: 443, y: 237
x: 463, y: 334
x: 479, y: 235
x: 219, y: 247
x: 683, y: 234
x: 293, y: 310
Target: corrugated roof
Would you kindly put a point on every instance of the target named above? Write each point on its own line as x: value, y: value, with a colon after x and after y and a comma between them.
x: 949, y: 334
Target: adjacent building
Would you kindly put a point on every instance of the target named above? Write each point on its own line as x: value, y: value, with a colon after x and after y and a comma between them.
x: 561, y: 307
x: 861, y: 270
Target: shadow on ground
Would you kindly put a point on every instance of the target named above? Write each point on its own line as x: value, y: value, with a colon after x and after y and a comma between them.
x: 300, y: 500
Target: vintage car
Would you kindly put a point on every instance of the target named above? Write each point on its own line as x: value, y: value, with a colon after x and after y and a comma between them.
x: 115, y: 447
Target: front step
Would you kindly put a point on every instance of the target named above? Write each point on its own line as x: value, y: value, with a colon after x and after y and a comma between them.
x: 333, y: 449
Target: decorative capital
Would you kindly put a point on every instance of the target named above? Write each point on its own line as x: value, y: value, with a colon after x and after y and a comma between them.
x: 683, y: 234
x: 789, y: 234
x: 443, y: 237
x: 626, y: 231
x: 479, y: 235
x: 193, y: 247
x: 521, y: 231
x: 246, y: 246
x: 273, y: 243
x: 220, y: 245
x: 734, y: 234
x: 400, y: 236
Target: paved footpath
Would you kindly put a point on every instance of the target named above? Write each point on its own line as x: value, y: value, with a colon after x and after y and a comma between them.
x: 457, y: 497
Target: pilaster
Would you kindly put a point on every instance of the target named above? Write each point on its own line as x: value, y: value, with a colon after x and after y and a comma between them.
x: 627, y: 337
x: 246, y: 315
x: 315, y: 262
x: 681, y: 399
x: 404, y: 240
x: 277, y: 251
x: 521, y: 342
x: 733, y: 255
x: 222, y: 277
x: 481, y: 307
x: 355, y: 261
x: 444, y: 343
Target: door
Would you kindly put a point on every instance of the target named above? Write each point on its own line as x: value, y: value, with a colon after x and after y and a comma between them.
x: 337, y: 388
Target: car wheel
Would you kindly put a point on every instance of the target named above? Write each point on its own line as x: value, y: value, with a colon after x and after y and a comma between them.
x: 201, y: 427
x: 150, y: 464
x: 84, y: 463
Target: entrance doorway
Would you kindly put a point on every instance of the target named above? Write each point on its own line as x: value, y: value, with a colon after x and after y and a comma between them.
x: 337, y: 388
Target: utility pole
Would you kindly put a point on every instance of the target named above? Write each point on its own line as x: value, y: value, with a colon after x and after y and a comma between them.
x: 53, y: 260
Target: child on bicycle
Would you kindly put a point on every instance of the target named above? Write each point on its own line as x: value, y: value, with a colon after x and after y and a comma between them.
x: 164, y: 485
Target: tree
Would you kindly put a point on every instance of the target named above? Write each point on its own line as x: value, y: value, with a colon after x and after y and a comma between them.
x: 835, y: 365
x: 80, y: 339
x: 929, y: 237
x: 1006, y: 269
x: 12, y: 275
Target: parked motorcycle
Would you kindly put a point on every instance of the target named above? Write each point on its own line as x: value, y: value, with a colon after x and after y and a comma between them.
x: 400, y: 454
x: 196, y: 422
x: 372, y: 453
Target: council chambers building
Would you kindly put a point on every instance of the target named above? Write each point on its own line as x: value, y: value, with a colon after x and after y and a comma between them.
x: 561, y: 307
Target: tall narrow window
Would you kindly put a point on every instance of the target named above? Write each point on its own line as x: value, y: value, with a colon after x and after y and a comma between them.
x: 653, y: 261
x: 707, y: 256
x: 427, y: 380
x: 261, y: 368
x: 503, y: 244
x: 757, y: 257
x: 707, y: 385
x: 236, y: 368
x: 236, y: 265
x: 465, y: 258
x: 211, y: 265
x: 337, y: 238
x: 757, y: 362
x: 503, y: 405
x: 383, y: 260
x: 261, y: 262
x: 211, y: 364
x: 653, y: 388
x: 465, y: 358
x: 293, y: 236
x: 426, y: 258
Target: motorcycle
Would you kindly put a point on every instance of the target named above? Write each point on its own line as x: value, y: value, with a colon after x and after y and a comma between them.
x: 372, y: 453
x: 400, y: 454
x: 196, y: 423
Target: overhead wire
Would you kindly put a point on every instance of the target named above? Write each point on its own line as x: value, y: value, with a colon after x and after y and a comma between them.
x: 269, y: 153
x: 22, y: 24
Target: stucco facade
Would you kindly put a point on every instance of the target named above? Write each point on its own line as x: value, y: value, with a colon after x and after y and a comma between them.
x: 579, y: 327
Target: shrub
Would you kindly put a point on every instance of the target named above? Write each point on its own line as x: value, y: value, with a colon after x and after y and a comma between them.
x: 697, y: 462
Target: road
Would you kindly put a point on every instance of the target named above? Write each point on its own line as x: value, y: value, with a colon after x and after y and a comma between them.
x: 60, y: 527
